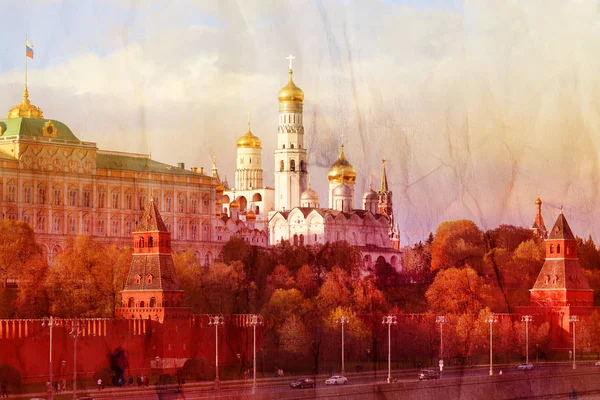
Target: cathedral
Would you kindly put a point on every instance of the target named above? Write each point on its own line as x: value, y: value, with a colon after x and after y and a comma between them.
x: 291, y: 211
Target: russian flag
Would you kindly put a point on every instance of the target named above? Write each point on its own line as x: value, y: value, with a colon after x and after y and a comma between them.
x: 28, y: 49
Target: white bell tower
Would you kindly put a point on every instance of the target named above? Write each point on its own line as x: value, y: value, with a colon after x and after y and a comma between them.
x: 291, y: 178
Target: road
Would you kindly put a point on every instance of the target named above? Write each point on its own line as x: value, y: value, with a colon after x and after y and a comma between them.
x: 279, y: 387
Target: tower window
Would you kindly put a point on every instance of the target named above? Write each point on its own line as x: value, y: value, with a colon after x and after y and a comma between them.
x: 150, y: 241
x: 292, y: 146
x: 558, y: 248
x: 281, y: 165
x: 141, y: 242
x: 293, y: 165
x: 551, y: 249
x: 284, y: 146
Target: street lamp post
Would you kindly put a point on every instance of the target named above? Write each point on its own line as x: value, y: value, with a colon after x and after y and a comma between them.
x: 389, y: 320
x: 491, y: 319
x: 216, y: 321
x: 254, y: 320
x: 574, y: 319
x: 440, y: 319
x: 77, y: 328
x: 50, y: 323
x: 342, y: 320
x: 527, y: 319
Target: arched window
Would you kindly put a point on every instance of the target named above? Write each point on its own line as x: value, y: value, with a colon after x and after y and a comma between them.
x: 131, y: 302
x: 295, y: 240
x: 153, y: 302
x: 568, y: 249
x: 142, y: 242
x: 138, y: 279
x: 558, y: 248
x: 292, y: 165
x: 301, y: 240
x: 292, y: 146
x: 302, y: 166
x: 150, y: 278
x: 142, y: 304
x: 551, y: 249
x: 281, y: 166
x: 150, y: 241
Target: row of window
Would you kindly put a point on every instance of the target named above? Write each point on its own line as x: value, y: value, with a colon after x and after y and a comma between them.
x: 86, y: 200
x: 292, y: 166
x: 568, y: 249
x: 153, y: 302
x: 87, y: 226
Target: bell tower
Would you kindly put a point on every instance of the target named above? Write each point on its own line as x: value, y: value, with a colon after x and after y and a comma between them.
x: 291, y: 178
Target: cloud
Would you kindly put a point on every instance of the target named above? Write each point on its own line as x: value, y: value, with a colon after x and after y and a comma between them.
x: 476, y: 108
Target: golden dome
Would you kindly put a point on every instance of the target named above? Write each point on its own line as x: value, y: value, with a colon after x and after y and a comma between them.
x: 234, y: 204
x: 538, y: 201
x: 341, y: 170
x: 220, y: 189
x: 250, y: 215
x: 249, y: 140
x: 290, y: 92
x: 25, y: 109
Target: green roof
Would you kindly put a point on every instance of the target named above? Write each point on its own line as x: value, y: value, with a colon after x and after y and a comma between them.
x: 136, y: 162
x: 34, y: 127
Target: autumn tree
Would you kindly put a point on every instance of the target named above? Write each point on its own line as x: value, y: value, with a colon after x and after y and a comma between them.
x: 86, y: 278
x: 189, y: 272
x: 225, y: 288
x: 508, y: 237
x: 21, y: 260
x: 456, y: 244
x: 457, y: 291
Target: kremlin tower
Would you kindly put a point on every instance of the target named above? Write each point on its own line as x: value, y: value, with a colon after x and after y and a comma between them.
x: 152, y: 288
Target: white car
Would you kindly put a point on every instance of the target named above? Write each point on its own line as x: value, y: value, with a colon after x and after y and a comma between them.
x: 336, y: 380
x: 525, y: 367
x: 597, y: 364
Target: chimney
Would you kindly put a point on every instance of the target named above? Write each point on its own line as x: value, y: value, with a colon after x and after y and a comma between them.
x: 181, y: 165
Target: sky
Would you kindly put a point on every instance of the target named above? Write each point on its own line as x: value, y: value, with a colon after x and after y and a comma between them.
x: 478, y: 106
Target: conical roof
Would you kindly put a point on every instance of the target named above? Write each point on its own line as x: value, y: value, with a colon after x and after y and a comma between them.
x: 151, y: 221
x: 561, y: 229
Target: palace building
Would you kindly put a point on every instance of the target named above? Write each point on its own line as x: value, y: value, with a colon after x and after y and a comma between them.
x: 64, y: 186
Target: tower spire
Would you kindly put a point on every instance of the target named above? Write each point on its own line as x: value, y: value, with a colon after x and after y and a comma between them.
x: 538, y: 227
x: 383, y: 188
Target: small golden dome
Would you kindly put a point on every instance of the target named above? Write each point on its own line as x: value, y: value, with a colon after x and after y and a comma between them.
x: 249, y: 140
x: 25, y: 109
x: 291, y: 92
x: 220, y: 189
x: 538, y: 201
x: 250, y: 215
x: 234, y: 204
x: 341, y: 170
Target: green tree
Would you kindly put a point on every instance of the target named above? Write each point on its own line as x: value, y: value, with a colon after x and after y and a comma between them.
x: 189, y: 272
x: 589, y: 258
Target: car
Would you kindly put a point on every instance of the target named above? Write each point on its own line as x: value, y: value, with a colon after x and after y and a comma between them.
x: 426, y: 374
x: 302, y: 383
x: 337, y: 380
x: 597, y: 364
x: 525, y: 367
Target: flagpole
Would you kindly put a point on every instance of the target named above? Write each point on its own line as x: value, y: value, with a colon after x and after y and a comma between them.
x: 25, y: 61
